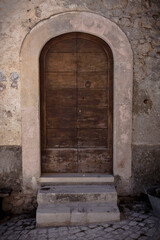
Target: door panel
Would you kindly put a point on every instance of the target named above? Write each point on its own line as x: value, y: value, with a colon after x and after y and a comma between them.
x: 92, y: 117
x: 61, y: 97
x: 64, y: 46
x: 60, y: 80
x: 94, y: 160
x: 88, y: 46
x: 90, y: 137
x: 58, y: 137
x: 59, y: 160
x: 55, y: 62
x: 58, y: 117
x: 76, y: 105
x: 92, y: 80
x: 92, y: 97
x: 90, y: 62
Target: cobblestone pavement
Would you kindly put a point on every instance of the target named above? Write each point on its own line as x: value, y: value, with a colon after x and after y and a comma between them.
x: 137, y: 222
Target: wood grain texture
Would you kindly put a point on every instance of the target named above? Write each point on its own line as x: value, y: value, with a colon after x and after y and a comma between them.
x: 61, y: 97
x: 89, y: 137
x: 58, y: 62
x: 94, y: 160
x: 92, y: 62
x: 92, y: 81
x: 92, y: 117
x: 60, y: 80
x: 59, y: 160
x: 63, y: 137
x: 64, y: 46
x: 92, y: 97
x: 88, y: 46
x: 76, y: 74
x: 61, y: 117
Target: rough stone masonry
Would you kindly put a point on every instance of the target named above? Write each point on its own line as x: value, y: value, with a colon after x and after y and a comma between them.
x: 140, y: 21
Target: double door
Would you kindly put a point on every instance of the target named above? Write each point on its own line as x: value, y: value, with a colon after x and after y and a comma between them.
x: 76, y: 105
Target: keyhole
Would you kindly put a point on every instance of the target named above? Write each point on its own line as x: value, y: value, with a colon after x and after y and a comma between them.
x: 87, y: 84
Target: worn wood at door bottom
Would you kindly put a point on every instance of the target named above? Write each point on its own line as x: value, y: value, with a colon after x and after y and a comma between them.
x: 72, y: 160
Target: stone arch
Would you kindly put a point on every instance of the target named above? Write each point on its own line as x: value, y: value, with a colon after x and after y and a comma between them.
x: 122, y: 103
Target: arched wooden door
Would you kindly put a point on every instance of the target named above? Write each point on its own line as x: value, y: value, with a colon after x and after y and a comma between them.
x: 76, y: 105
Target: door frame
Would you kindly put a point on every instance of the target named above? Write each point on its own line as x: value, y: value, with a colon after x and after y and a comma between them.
x: 122, y: 89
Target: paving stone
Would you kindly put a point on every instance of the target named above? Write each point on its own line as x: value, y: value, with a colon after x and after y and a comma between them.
x: 90, y: 231
x: 141, y: 224
x: 125, y: 227
x: 74, y: 230
x: 84, y: 228
x: 2, y: 229
x: 150, y: 232
x: 145, y: 229
x: 142, y: 227
x: 92, y: 226
x: 29, y: 227
x: 109, y: 229
x: 52, y: 230
x: 80, y: 234
x: 72, y: 237
x: 100, y: 238
x: 133, y: 223
x: 135, y: 236
x: 143, y: 238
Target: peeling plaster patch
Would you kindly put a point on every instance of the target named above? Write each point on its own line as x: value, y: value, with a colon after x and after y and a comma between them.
x: 148, y: 156
x: 14, y: 80
x: 2, y: 76
x: 124, y: 114
x: 2, y: 86
x: 10, y: 166
x: 8, y: 113
x: 142, y: 103
x: 2, y: 80
x: 38, y: 12
x: 124, y: 137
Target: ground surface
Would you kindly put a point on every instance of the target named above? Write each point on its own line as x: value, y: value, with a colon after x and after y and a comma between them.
x: 137, y: 222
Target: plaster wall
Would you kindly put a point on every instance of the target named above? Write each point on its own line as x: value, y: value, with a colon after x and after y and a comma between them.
x: 140, y: 21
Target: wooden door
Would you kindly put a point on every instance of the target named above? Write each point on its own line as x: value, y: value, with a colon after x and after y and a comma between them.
x: 76, y: 105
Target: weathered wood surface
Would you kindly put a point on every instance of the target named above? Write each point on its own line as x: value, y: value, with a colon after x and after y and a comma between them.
x: 62, y: 137
x: 76, y: 105
x: 91, y: 80
x: 94, y: 160
x: 92, y: 117
x: 59, y: 160
x: 89, y: 137
x: 92, y: 97
x: 61, y: 117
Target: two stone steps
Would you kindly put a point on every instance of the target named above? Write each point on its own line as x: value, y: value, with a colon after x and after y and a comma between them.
x: 63, y: 205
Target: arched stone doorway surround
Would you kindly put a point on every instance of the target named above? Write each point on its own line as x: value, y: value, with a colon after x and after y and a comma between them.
x: 122, y: 88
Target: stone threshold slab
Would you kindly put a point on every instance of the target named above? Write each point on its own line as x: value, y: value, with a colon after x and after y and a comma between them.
x: 67, y: 178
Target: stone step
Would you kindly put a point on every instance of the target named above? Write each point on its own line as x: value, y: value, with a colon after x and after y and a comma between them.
x: 75, y: 178
x: 70, y: 214
x: 76, y: 193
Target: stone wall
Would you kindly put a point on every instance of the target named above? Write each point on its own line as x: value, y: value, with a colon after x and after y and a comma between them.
x: 140, y: 21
